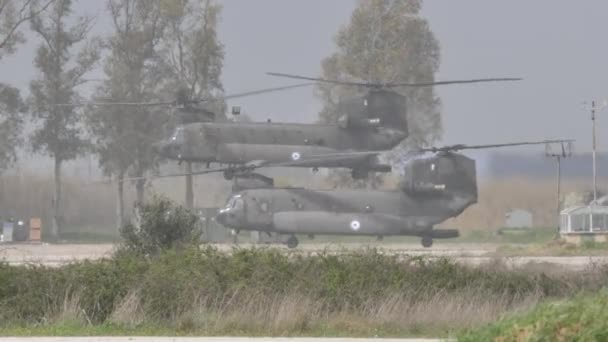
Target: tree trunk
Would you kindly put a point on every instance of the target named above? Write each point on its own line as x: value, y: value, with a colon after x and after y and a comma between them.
x: 189, y: 186
x: 140, y: 189
x: 56, y: 227
x: 120, y: 201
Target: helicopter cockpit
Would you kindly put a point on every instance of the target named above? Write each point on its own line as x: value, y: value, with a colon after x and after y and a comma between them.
x: 233, y: 213
x: 172, y: 148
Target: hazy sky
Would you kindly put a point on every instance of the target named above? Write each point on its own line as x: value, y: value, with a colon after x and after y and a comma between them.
x: 559, y: 47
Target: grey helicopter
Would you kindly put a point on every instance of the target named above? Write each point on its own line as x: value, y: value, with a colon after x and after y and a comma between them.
x: 433, y: 189
x: 376, y: 121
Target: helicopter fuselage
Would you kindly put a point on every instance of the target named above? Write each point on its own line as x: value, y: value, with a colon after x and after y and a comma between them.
x: 432, y: 190
x: 340, y: 212
x: 240, y: 143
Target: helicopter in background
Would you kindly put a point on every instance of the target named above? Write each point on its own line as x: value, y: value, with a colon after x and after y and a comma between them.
x: 376, y: 121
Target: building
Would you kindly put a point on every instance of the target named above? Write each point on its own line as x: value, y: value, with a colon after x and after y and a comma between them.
x: 585, y: 223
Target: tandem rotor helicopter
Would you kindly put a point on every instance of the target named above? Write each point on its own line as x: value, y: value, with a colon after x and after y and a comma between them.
x: 376, y: 121
x: 433, y: 189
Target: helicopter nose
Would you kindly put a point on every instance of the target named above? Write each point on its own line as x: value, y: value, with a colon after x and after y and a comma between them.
x: 221, y: 217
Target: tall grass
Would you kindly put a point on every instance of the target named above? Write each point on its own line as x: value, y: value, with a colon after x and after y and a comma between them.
x: 262, y: 292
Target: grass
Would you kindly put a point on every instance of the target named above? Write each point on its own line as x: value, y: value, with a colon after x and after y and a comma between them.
x: 268, y: 292
x: 396, y: 315
x: 583, y: 318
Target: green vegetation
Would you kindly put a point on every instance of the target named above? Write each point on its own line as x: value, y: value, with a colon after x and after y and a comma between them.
x: 268, y: 292
x: 163, y: 226
x: 583, y: 318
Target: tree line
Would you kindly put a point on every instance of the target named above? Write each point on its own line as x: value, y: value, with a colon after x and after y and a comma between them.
x: 157, y: 46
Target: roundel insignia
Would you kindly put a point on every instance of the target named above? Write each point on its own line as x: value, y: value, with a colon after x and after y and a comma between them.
x: 295, y: 156
x: 355, y: 225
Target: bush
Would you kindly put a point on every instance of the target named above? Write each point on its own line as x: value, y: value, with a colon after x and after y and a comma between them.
x: 162, y: 226
x: 263, y: 291
x: 584, y: 318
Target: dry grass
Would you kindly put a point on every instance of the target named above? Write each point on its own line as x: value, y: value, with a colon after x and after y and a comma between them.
x: 498, y: 197
x: 297, y: 313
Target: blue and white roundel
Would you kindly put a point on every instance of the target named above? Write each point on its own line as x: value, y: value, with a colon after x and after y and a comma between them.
x: 355, y: 225
x: 295, y: 156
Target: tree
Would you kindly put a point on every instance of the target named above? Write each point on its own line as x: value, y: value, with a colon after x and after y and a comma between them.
x: 125, y: 134
x: 193, y: 56
x: 11, y: 109
x: 61, y: 70
x: 13, y: 14
x: 387, y: 41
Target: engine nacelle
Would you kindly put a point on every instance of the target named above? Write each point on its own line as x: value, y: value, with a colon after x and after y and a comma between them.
x: 441, y: 174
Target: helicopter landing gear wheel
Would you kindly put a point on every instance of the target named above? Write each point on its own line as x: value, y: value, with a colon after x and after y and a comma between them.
x: 228, y: 175
x: 359, y: 173
x: 427, y: 241
x: 292, y: 242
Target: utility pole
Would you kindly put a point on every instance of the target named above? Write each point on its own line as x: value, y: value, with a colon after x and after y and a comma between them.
x: 593, y: 153
x: 594, y: 162
x: 565, y: 153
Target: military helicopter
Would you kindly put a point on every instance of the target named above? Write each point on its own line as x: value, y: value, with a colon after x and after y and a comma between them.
x: 433, y: 189
x: 375, y: 122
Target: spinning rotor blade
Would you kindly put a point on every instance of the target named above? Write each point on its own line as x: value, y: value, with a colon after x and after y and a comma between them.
x: 297, y: 77
x: 261, y: 91
x: 392, y: 85
x: 460, y: 147
x: 175, y: 102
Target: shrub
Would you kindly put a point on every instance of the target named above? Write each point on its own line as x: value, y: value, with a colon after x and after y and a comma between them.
x: 583, y: 318
x: 162, y: 226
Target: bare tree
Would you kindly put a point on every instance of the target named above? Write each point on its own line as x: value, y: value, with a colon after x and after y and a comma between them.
x: 61, y: 70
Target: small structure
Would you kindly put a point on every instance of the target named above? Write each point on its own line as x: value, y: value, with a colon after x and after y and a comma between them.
x: 585, y: 223
x: 35, y: 229
x: 518, y: 218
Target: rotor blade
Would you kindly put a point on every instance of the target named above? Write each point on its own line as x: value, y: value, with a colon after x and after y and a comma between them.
x: 429, y: 84
x: 84, y: 104
x: 393, y: 85
x: 460, y: 147
x: 169, y: 103
x: 316, y: 79
x: 257, y: 92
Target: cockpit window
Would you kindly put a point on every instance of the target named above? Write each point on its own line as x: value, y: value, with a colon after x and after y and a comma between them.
x: 233, y: 201
x: 177, y: 134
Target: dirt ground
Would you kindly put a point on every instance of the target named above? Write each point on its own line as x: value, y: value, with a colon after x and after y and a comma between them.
x: 474, y: 254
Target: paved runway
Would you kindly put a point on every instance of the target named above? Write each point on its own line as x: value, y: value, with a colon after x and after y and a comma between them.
x: 473, y: 254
